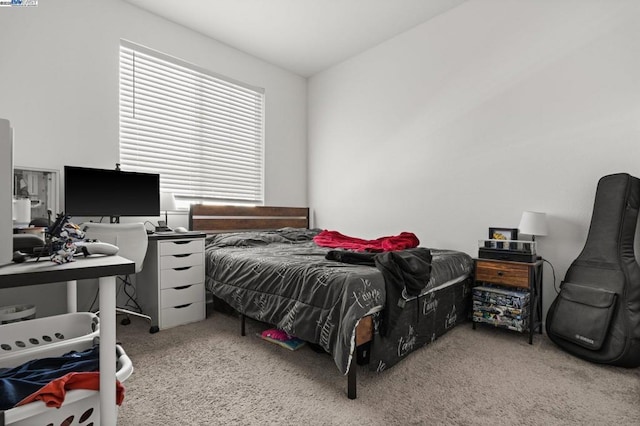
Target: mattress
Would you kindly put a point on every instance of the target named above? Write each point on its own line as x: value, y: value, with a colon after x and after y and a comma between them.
x: 283, y: 278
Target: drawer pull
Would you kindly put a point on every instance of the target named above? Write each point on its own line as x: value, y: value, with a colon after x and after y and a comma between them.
x: 500, y: 273
x: 182, y: 287
x: 182, y: 268
x: 181, y: 242
x: 182, y: 255
x: 182, y: 306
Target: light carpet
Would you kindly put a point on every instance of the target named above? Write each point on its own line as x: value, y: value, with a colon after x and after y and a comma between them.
x: 207, y: 374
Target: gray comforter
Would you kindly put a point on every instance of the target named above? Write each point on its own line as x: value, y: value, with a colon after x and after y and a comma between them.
x: 282, y: 278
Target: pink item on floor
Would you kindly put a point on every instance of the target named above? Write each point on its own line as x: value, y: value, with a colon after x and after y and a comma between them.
x: 282, y: 338
x: 276, y: 334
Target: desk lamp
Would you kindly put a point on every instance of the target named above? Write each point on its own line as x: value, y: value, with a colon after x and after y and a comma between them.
x: 533, y: 223
x: 167, y: 202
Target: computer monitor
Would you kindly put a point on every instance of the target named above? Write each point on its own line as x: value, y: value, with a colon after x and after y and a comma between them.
x: 113, y: 193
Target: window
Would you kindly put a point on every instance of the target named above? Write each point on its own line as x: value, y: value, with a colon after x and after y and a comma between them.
x: 201, y: 132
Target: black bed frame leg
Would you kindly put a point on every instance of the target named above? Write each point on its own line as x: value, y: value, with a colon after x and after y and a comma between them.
x: 351, y: 381
x: 242, y: 332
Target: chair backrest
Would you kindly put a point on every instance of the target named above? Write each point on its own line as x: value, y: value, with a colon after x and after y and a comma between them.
x: 131, y: 238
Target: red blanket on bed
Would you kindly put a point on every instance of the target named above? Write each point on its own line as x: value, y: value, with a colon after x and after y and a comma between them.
x: 334, y: 239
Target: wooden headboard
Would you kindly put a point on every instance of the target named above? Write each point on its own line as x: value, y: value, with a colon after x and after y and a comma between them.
x: 212, y: 218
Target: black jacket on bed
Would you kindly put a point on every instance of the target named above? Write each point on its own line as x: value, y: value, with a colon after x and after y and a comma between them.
x: 405, y: 271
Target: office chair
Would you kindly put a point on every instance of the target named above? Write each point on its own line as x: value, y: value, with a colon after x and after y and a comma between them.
x: 131, y: 239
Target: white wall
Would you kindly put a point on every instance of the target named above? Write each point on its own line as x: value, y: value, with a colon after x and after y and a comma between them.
x: 59, y: 89
x: 463, y: 122
x: 6, y: 177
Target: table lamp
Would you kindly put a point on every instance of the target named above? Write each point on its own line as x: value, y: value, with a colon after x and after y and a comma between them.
x: 533, y: 223
x: 167, y: 202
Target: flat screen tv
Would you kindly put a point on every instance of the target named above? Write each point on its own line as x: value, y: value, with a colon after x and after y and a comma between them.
x: 113, y: 193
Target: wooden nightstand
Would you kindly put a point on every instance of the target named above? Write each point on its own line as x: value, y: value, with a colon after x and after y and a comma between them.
x: 521, y: 276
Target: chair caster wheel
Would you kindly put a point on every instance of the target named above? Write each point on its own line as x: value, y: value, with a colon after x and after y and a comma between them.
x: 154, y: 329
x: 125, y: 321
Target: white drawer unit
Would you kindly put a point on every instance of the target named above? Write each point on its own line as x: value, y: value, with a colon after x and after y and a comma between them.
x: 171, y: 285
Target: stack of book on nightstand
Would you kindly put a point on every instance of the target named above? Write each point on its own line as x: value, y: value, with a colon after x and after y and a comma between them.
x: 501, y: 307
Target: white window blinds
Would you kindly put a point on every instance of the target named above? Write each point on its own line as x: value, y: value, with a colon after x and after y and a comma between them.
x: 201, y: 132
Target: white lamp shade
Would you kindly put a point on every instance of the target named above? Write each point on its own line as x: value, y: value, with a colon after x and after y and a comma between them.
x: 533, y: 223
x: 167, y: 201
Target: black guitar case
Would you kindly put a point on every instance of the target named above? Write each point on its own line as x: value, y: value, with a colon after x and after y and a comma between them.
x: 596, y: 316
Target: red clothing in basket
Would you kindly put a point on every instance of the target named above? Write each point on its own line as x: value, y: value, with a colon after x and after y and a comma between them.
x: 53, y: 393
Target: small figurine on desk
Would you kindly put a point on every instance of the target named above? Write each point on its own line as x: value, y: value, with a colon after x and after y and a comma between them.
x: 52, y: 237
x: 60, y: 240
x: 72, y: 231
x: 65, y: 253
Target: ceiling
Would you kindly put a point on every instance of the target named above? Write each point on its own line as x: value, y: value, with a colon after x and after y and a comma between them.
x: 303, y: 36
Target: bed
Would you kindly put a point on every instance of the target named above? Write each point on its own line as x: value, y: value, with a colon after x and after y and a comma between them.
x: 262, y: 262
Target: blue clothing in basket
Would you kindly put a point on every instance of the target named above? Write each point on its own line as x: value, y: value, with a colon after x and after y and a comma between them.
x: 19, y: 382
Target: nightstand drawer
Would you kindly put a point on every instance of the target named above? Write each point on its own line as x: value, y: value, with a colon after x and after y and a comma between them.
x: 170, y: 278
x: 184, y: 295
x: 511, y: 274
x: 170, y: 317
x: 168, y: 248
x: 181, y: 261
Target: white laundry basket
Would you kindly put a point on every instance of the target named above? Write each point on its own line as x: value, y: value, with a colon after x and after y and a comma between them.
x: 60, y: 330
x: 15, y: 313
x: 80, y: 407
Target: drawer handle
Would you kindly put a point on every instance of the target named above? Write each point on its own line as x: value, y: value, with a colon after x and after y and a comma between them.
x: 182, y: 306
x: 182, y: 268
x: 181, y: 242
x: 182, y: 287
x: 500, y: 273
x: 182, y: 255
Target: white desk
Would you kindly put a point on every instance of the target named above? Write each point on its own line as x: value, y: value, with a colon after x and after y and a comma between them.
x: 105, y: 268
